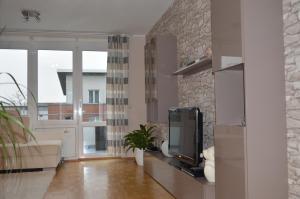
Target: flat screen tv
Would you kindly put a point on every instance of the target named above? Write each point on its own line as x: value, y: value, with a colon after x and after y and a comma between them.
x: 186, y: 135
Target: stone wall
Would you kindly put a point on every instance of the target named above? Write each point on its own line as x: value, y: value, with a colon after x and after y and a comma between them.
x: 189, y: 21
x: 291, y: 16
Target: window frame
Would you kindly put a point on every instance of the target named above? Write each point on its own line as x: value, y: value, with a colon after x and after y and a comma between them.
x: 93, y: 99
x: 22, y: 86
x: 73, y: 87
x: 34, y: 43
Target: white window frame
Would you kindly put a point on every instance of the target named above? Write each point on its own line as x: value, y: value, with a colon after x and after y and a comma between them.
x: 94, y: 99
x: 77, y: 45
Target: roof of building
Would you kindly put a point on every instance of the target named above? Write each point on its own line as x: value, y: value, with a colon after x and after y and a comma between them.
x: 63, y: 73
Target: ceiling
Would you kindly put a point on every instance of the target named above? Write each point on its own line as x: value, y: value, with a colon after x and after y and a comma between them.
x: 103, y: 16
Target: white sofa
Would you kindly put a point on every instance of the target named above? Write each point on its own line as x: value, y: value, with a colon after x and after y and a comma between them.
x: 41, y: 154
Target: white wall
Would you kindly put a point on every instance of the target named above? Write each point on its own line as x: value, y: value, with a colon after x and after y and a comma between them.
x: 137, y: 106
x: 94, y: 83
x: 97, y: 82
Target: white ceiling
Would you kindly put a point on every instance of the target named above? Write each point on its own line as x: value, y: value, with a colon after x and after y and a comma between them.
x: 104, y: 16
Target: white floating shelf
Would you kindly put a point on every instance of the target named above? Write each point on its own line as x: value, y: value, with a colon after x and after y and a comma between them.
x: 203, y: 64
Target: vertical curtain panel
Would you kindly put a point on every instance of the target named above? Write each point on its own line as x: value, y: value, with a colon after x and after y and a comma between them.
x: 117, y: 93
x: 150, y: 72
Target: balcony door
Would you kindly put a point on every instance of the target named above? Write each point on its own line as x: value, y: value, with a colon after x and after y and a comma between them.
x: 67, y: 83
x: 72, y: 93
x: 93, y: 104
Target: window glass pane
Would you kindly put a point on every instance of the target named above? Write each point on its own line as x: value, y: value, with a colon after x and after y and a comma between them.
x: 90, y: 97
x: 94, y: 140
x: 55, y: 85
x: 94, y: 85
x: 97, y: 96
x: 14, y: 61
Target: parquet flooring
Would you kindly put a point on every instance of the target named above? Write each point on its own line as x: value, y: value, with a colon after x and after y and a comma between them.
x: 104, y: 179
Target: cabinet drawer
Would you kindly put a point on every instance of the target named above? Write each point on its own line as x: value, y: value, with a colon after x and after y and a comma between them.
x: 69, y: 146
x: 178, y: 183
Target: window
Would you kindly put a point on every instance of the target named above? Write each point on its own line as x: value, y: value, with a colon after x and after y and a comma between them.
x: 14, y: 61
x: 94, y: 65
x: 55, y: 85
x: 94, y: 140
x: 94, y: 96
x: 50, y: 68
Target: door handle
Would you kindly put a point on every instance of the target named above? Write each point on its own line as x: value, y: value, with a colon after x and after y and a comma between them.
x: 80, y: 107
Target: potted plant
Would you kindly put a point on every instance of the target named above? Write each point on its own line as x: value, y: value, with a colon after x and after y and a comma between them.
x: 10, y: 120
x: 138, y: 141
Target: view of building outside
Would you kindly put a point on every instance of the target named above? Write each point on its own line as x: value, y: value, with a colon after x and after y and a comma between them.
x: 55, y: 89
x: 52, y: 104
x: 94, y: 67
x: 55, y: 100
x: 94, y: 101
x: 93, y: 90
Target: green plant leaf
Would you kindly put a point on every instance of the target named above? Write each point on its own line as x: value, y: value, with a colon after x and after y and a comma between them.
x: 140, y: 138
x: 15, y: 82
x: 9, y: 119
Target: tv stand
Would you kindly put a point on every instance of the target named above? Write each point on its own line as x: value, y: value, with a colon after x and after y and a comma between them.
x: 192, y: 171
x: 176, y: 178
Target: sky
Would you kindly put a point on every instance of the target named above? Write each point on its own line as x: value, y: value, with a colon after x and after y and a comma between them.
x: 49, y: 89
x: 15, y: 63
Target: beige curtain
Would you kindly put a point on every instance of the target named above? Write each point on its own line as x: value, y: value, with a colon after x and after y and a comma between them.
x: 150, y: 73
x: 117, y: 93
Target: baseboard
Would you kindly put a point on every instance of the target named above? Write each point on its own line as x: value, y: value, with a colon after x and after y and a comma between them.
x: 99, y: 158
x: 6, y: 171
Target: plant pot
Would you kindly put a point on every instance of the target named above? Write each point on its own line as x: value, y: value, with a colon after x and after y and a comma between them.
x: 139, y: 157
x: 165, y: 149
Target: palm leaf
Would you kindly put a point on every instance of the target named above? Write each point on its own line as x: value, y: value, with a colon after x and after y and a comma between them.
x: 10, y: 137
x: 8, y: 120
x: 15, y: 82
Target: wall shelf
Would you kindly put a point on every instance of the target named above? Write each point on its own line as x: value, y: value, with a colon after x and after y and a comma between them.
x: 203, y: 64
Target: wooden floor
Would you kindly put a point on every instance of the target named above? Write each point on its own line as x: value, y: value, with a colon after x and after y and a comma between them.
x: 104, y: 179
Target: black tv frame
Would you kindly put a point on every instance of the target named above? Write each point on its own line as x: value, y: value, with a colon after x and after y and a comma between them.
x: 191, y: 161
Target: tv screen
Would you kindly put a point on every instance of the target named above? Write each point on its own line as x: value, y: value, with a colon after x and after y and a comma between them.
x: 185, y: 134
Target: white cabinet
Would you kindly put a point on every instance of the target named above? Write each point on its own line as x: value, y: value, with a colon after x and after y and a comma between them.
x: 178, y: 183
x: 230, y: 154
x: 251, y: 29
x: 230, y: 96
x: 69, y: 140
x: 160, y: 84
x: 67, y: 135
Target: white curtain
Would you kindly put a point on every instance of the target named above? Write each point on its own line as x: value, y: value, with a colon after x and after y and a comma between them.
x: 117, y: 93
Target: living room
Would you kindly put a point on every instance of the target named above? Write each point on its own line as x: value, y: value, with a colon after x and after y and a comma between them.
x: 216, y: 83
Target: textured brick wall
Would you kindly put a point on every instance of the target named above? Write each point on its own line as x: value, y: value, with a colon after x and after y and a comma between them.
x: 291, y: 16
x: 190, y: 21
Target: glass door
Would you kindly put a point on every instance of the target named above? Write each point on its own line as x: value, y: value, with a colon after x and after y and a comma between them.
x: 93, y: 104
x: 55, y: 85
x: 67, y: 80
